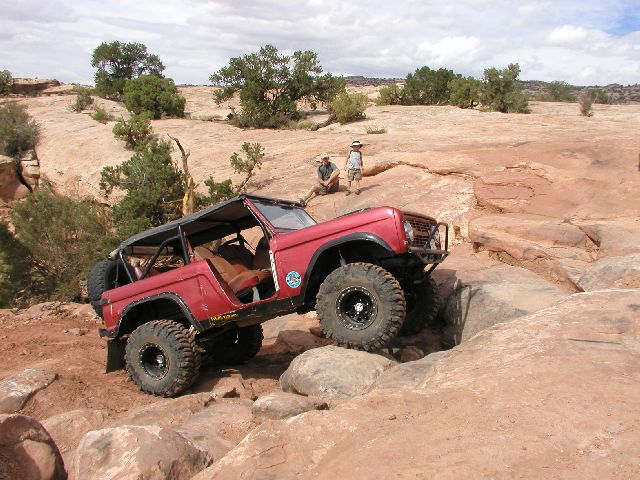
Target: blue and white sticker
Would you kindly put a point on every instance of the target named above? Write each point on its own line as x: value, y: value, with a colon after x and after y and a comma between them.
x: 293, y: 279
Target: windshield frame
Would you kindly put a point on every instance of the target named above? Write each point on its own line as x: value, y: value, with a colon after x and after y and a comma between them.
x: 257, y: 204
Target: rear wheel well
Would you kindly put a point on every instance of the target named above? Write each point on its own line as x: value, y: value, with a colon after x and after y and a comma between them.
x: 157, y: 309
x: 352, y: 252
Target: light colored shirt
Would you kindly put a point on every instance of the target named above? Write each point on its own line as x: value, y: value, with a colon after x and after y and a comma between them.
x: 355, y: 161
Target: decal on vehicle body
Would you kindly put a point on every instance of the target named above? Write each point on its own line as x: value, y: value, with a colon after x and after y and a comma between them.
x: 226, y: 316
x: 294, y: 279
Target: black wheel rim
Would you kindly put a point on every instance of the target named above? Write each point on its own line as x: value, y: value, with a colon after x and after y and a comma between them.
x: 154, y: 361
x: 356, y: 307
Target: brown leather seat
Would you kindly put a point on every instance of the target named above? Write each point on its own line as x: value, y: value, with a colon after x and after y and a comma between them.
x: 238, y: 277
x: 261, y: 258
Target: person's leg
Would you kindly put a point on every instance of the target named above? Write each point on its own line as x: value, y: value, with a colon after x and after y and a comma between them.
x: 310, y: 194
x: 357, y: 177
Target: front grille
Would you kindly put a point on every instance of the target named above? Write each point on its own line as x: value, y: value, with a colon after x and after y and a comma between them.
x: 422, y: 230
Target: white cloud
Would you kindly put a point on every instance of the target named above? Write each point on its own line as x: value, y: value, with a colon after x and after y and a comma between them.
x: 584, y: 41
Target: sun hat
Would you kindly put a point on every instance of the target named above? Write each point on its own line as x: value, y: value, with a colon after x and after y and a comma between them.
x: 356, y: 143
x: 324, y: 155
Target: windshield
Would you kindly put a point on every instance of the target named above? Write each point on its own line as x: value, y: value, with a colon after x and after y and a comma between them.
x: 284, y: 218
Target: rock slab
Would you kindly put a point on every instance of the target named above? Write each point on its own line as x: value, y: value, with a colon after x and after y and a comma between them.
x: 279, y: 405
x: 16, y: 389
x: 612, y: 272
x: 27, y: 451
x: 333, y: 373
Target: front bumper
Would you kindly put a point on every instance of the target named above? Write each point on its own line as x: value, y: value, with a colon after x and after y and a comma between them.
x: 428, y: 243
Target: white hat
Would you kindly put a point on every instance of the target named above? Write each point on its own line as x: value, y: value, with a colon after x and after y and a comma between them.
x: 356, y: 143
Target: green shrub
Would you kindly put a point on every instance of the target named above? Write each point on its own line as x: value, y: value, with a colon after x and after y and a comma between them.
x: 558, y: 91
x: 300, y: 124
x: 374, y: 130
x: 117, y: 62
x: 270, y: 85
x: 6, y: 82
x: 502, y: 92
x: 349, y: 107
x: 83, y: 98
x: 585, y: 102
x: 135, y: 132
x: 153, y: 188
x: 156, y: 95
x: 428, y: 87
x: 15, y: 267
x: 465, y: 92
x: 220, y: 191
x: 63, y: 237
x: 100, y: 115
x: 390, y: 95
x: 207, y: 118
x: 599, y: 96
x: 18, y: 133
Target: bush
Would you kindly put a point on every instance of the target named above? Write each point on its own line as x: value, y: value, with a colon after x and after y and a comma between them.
x: 117, y: 62
x: 270, y: 84
x: 349, y: 107
x: 155, y: 95
x: 6, y: 82
x: 502, y: 92
x: 600, y: 96
x: 300, y: 124
x: 100, y: 115
x: 83, y: 99
x: 585, y: 102
x: 18, y: 133
x: 14, y: 267
x: 558, y: 91
x: 428, y: 87
x: 63, y: 237
x: 376, y: 130
x: 135, y: 132
x: 153, y: 188
x: 465, y: 92
x: 220, y: 191
x: 390, y: 95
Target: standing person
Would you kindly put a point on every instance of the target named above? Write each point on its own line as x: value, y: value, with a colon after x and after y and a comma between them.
x: 353, y: 165
x: 328, y: 179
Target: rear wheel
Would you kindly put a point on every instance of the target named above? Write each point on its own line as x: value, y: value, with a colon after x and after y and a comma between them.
x: 361, y: 306
x: 423, y: 305
x: 236, y: 346
x: 162, y: 358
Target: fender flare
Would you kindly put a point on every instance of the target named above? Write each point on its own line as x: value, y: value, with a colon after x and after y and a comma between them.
x: 174, y: 297
x: 362, y: 236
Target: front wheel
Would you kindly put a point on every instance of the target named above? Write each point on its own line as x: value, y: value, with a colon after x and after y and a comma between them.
x: 162, y: 358
x: 423, y: 305
x: 361, y: 306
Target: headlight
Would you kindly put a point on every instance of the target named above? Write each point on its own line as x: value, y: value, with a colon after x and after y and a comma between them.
x: 408, y: 231
x: 434, y: 244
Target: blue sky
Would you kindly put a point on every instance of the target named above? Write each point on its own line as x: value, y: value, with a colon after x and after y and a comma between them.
x: 582, y: 42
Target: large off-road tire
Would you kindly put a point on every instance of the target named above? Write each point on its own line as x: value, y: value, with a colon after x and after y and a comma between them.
x: 360, y: 306
x: 103, y: 276
x: 162, y: 358
x: 236, y: 346
x: 423, y: 305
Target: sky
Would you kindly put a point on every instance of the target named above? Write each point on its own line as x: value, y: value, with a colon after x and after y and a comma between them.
x: 583, y: 42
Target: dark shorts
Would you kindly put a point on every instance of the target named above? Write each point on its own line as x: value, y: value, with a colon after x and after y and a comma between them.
x: 324, y: 189
x: 354, y: 174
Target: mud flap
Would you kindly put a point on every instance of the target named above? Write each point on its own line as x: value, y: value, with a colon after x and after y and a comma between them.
x: 115, y: 355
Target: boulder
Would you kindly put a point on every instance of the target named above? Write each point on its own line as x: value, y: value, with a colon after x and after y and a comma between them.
x: 411, y: 374
x: 16, y: 389
x: 219, y: 427
x: 297, y: 341
x: 278, y: 405
x: 553, y: 391
x: 131, y: 452
x: 612, y: 272
x: 68, y: 428
x: 11, y: 189
x: 27, y: 451
x: 333, y: 373
x: 479, y: 292
x: 615, y: 237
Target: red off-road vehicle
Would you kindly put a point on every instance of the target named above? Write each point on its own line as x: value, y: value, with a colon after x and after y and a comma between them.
x: 203, y: 284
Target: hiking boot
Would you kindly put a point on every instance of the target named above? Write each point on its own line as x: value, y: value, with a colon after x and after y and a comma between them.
x: 357, y: 192
x: 348, y: 192
x: 303, y: 201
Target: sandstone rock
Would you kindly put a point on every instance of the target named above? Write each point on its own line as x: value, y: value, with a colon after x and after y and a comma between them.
x: 219, y: 427
x: 16, y: 389
x: 278, y: 405
x: 137, y: 452
x: 333, y: 373
x: 296, y: 341
x: 68, y: 428
x: 411, y: 374
x: 410, y: 353
x: 479, y: 292
x: 548, y: 246
x: 10, y: 187
x: 27, y: 451
x: 612, y: 272
x: 558, y: 387
x: 618, y: 236
x: 171, y: 412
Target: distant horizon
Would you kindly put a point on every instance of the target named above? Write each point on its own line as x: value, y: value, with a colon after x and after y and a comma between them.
x: 583, y: 42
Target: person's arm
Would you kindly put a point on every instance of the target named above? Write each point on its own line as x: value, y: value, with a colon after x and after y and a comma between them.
x: 361, y: 161
x: 334, y: 176
x: 346, y: 160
